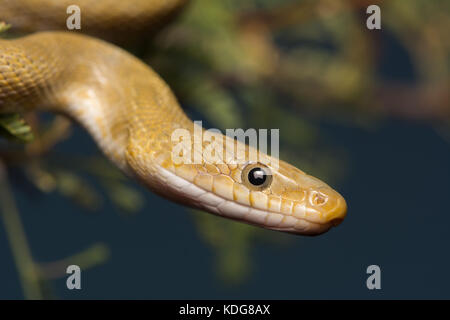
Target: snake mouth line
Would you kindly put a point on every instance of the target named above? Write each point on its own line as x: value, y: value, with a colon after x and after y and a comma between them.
x: 309, y: 227
x: 313, y: 230
x: 257, y: 217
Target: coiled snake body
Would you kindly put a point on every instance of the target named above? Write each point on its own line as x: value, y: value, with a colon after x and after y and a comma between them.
x: 131, y: 113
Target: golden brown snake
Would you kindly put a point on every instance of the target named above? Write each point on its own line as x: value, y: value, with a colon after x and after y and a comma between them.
x: 131, y: 113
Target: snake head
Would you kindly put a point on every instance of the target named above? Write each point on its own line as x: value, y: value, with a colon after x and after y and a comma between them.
x: 280, y: 197
x: 305, y: 204
x: 236, y: 181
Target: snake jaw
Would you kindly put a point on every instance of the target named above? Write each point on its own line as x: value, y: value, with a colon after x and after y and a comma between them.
x: 303, y: 218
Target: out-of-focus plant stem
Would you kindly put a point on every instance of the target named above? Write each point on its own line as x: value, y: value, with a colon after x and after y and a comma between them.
x: 89, y: 258
x: 15, y: 233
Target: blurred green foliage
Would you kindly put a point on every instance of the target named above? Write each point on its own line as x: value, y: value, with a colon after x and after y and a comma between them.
x: 4, y: 26
x: 13, y: 126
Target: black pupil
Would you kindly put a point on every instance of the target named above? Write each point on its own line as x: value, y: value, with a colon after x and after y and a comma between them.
x: 257, y: 176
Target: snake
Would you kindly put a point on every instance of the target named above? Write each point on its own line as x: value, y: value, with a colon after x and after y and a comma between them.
x: 132, y: 114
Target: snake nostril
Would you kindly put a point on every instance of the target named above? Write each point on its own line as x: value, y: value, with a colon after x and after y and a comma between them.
x: 318, y: 199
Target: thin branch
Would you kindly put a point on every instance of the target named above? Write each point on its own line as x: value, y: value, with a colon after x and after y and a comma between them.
x: 89, y: 258
x: 15, y: 233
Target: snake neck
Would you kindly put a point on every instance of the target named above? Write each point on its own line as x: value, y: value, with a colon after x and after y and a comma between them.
x: 117, y: 98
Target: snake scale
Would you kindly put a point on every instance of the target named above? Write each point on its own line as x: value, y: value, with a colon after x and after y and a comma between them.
x: 131, y: 113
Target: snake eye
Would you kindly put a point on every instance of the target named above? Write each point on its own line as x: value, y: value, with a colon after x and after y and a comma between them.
x: 256, y: 176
